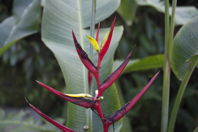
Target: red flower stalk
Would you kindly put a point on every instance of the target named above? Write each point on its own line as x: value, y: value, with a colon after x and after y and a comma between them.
x: 55, y: 123
x: 88, y: 101
x: 90, y: 77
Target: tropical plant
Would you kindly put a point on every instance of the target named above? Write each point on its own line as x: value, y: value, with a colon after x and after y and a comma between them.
x: 60, y: 18
x: 94, y: 102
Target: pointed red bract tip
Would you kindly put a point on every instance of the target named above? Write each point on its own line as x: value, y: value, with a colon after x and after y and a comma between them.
x: 55, y: 123
x: 98, y: 32
x: 113, y: 76
x: 81, y: 101
x: 107, y: 43
x: 84, y: 57
x: 127, y: 107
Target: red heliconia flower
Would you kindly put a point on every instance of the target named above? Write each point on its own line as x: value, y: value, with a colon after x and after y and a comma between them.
x: 88, y: 101
x: 55, y: 123
x: 102, y: 50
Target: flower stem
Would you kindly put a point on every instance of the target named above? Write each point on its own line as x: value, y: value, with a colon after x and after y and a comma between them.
x: 180, y: 94
x: 166, y: 75
x: 169, y: 36
x: 172, y: 26
x: 92, y: 27
x: 106, y: 128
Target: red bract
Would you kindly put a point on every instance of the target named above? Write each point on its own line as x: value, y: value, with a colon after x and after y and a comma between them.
x: 107, y: 43
x: 55, y: 123
x: 127, y: 107
x: 98, y: 32
x: 90, y: 76
x: 81, y: 101
x: 88, y: 101
x: 84, y: 57
x: 113, y: 76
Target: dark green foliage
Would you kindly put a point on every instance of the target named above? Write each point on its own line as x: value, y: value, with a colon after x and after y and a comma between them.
x: 147, y: 34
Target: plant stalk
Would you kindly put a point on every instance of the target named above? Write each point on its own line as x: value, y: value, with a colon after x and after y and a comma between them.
x: 180, y: 94
x: 166, y: 75
x: 172, y: 26
x: 92, y: 27
x: 169, y: 36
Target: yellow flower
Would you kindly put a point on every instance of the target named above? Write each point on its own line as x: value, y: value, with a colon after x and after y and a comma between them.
x: 83, y: 95
x: 95, y: 43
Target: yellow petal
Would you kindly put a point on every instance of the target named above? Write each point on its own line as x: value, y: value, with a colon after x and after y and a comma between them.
x: 94, y: 43
x: 83, y: 95
x: 104, y: 40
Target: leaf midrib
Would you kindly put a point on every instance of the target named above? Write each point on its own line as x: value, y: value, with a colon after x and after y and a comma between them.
x: 81, y: 42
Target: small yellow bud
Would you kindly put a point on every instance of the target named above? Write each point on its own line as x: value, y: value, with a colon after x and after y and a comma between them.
x: 94, y: 43
x: 83, y: 95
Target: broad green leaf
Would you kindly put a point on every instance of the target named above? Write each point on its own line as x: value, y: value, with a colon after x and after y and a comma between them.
x: 147, y: 63
x: 59, y: 19
x: 23, y: 22
x: 127, y: 10
x: 182, y: 14
x: 185, y: 47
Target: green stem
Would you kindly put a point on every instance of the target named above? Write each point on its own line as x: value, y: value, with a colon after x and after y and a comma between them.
x: 180, y: 94
x: 172, y: 26
x: 89, y: 120
x: 166, y: 75
x: 92, y: 27
x: 169, y: 36
x: 165, y: 97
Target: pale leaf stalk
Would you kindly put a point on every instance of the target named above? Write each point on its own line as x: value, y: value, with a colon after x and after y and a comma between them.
x: 166, y: 75
x: 92, y: 27
x: 169, y: 36
x: 172, y: 26
x: 180, y: 94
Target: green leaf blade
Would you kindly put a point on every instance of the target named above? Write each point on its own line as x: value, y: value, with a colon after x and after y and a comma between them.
x: 183, y: 14
x: 147, y: 63
x: 185, y: 47
x: 16, y: 27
